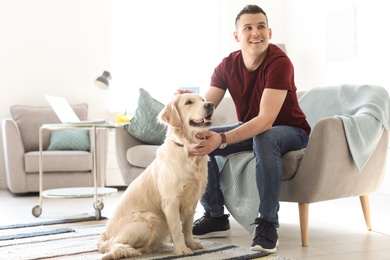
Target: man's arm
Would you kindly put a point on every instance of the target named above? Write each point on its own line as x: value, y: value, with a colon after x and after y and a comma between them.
x: 214, y: 95
x: 270, y: 105
x: 271, y: 102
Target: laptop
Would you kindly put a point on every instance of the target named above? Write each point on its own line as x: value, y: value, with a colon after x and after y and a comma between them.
x: 65, y: 112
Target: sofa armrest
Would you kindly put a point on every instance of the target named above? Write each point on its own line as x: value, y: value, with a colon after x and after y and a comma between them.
x: 327, y: 170
x: 124, y: 141
x: 13, y: 150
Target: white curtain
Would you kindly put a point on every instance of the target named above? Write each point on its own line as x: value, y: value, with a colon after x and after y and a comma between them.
x: 162, y: 45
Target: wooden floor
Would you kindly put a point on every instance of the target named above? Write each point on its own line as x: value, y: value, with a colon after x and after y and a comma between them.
x: 336, y: 228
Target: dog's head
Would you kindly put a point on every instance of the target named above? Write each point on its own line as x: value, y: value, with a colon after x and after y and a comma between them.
x: 187, y: 114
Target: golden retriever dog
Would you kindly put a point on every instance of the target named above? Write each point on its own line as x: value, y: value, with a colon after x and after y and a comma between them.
x: 162, y: 200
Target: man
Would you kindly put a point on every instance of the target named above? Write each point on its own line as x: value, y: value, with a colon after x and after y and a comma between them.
x: 260, y: 79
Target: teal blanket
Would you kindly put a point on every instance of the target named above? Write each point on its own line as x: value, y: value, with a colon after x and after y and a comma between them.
x: 363, y: 109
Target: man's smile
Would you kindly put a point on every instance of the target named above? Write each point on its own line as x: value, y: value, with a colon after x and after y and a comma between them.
x: 256, y: 41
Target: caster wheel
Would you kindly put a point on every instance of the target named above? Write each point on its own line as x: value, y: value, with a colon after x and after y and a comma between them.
x: 37, y: 211
x: 100, y: 205
x: 98, y: 214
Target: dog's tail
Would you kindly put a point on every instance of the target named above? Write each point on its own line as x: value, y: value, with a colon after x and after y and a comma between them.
x: 118, y: 251
x: 112, y: 250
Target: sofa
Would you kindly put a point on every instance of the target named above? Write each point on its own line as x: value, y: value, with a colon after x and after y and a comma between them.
x: 325, y: 170
x: 66, y: 163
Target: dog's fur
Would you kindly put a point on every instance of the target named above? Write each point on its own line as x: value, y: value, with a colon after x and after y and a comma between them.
x: 162, y: 200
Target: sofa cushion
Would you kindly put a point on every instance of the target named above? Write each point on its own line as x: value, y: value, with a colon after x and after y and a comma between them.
x: 144, y: 125
x: 30, y: 118
x: 225, y: 114
x: 142, y: 155
x: 69, y: 140
x: 59, y: 161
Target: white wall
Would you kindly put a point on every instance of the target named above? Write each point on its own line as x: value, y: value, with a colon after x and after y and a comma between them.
x: 307, y: 36
x: 55, y: 47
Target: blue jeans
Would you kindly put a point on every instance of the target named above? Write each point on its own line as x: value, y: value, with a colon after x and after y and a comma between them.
x: 268, y: 147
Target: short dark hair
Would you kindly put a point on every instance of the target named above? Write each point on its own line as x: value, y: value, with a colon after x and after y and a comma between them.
x: 250, y: 9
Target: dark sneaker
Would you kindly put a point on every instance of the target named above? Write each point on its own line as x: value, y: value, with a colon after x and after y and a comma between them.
x: 266, y: 238
x: 207, y: 226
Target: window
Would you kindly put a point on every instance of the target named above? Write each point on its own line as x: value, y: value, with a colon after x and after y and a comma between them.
x: 162, y: 45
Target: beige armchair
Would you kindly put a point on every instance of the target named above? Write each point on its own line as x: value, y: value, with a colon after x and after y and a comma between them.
x: 61, y: 168
x: 328, y: 172
x: 325, y: 170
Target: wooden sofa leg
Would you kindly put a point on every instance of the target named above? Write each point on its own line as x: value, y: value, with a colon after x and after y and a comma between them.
x: 304, y: 222
x: 365, y: 202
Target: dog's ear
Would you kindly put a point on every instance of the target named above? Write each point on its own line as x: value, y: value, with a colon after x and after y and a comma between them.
x: 170, y: 115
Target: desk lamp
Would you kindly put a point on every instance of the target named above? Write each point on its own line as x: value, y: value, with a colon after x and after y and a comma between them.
x: 103, y: 81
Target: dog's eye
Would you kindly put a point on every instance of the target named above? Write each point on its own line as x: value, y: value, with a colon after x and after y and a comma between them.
x: 189, y: 102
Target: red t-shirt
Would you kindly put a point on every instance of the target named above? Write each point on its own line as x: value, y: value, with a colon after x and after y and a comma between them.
x: 246, y: 88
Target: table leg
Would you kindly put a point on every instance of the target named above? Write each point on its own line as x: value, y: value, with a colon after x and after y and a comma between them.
x: 37, y: 210
x: 96, y: 203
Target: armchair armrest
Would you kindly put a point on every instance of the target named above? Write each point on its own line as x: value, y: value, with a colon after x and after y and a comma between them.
x: 124, y: 141
x: 13, y: 150
x: 327, y: 170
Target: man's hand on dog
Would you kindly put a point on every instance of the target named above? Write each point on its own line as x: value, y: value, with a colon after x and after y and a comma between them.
x: 212, y: 141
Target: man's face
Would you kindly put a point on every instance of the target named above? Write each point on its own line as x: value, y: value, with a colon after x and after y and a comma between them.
x: 253, y: 33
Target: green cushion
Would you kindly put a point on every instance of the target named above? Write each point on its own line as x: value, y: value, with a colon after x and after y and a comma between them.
x: 144, y: 125
x: 69, y: 140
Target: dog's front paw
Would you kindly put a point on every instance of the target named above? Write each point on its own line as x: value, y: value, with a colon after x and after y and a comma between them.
x: 194, y: 245
x: 182, y: 251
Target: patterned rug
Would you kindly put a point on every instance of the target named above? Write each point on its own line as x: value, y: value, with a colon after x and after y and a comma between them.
x: 76, y: 238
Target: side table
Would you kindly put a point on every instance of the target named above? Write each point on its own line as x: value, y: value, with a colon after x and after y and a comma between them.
x: 80, y: 192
